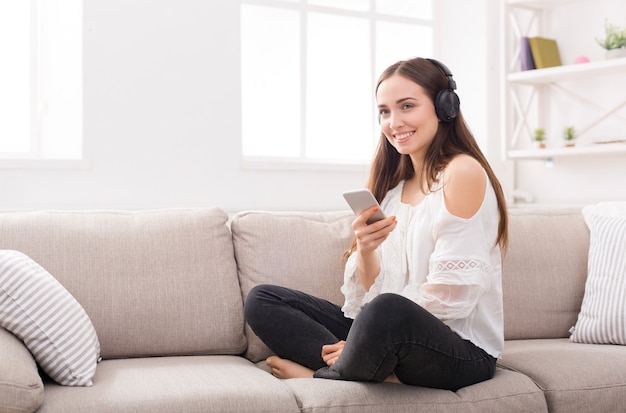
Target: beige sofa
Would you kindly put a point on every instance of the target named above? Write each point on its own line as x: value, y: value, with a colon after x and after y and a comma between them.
x: 164, y: 290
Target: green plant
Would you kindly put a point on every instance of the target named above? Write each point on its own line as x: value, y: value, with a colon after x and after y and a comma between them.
x: 614, y: 36
x: 540, y: 135
x: 569, y: 134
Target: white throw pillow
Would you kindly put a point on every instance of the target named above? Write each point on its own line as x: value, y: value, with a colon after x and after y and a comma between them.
x: 602, y: 317
x: 37, y: 309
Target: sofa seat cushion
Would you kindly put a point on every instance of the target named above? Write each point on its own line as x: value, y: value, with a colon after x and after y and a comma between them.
x: 190, y: 384
x: 575, y: 377
x: 507, y: 392
x: 21, y: 388
x: 154, y: 283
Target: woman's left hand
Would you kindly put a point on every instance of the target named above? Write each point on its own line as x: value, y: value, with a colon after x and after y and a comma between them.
x: 331, y: 352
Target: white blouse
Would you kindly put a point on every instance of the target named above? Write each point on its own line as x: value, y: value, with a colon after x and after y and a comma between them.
x: 449, y: 265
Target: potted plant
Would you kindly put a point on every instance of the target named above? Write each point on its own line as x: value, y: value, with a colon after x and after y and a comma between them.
x: 569, y: 135
x: 539, y: 138
x: 614, y: 40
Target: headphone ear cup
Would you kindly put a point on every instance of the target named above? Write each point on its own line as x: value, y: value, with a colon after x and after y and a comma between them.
x: 447, y: 105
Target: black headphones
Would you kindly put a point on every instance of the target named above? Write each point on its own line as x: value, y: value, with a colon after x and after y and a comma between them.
x: 447, y: 101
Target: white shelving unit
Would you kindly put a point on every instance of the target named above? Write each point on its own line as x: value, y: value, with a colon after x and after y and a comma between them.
x: 526, y: 94
x: 561, y: 73
x: 551, y: 153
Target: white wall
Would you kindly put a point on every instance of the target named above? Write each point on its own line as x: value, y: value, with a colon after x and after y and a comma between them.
x: 469, y: 44
x: 162, y: 120
x: 162, y: 115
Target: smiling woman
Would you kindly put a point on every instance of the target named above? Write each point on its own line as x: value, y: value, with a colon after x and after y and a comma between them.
x: 422, y: 286
x: 407, y: 115
x: 41, y: 79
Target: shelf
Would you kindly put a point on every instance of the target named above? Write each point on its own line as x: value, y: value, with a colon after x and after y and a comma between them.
x: 549, y: 153
x: 561, y: 73
x: 539, y: 4
x: 536, y: 97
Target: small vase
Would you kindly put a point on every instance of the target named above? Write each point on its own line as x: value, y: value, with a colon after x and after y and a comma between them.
x: 615, y: 53
x: 570, y: 144
x: 539, y: 145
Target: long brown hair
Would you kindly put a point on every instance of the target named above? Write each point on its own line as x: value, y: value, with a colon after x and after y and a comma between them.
x: 452, y: 138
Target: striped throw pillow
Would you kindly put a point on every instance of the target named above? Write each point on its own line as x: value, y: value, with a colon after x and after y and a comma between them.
x: 37, y: 309
x: 602, y: 317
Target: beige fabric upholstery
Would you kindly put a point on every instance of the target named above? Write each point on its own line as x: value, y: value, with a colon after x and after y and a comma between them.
x: 160, y: 282
x: 21, y: 388
x: 165, y: 283
x: 575, y: 377
x: 302, y: 251
x: 508, y: 392
x: 199, y: 384
x: 544, y: 272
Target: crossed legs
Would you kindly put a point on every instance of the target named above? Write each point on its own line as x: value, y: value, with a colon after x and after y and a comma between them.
x: 391, y: 335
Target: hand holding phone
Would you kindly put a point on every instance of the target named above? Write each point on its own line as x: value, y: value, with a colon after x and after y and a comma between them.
x: 362, y: 199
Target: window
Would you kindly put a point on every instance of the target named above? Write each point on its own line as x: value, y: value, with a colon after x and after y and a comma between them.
x: 41, y: 79
x: 308, y: 69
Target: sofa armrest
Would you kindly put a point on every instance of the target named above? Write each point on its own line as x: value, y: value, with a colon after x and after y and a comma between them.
x: 21, y: 387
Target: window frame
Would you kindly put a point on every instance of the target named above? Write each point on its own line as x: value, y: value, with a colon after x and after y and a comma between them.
x: 34, y: 158
x: 302, y: 162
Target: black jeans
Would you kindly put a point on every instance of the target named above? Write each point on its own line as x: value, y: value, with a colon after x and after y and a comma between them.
x: 391, y: 334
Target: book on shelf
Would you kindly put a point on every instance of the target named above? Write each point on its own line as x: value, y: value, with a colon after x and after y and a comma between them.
x: 526, y: 55
x: 545, y: 52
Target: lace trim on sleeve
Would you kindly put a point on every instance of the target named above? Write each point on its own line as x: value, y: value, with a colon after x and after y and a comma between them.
x: 459, y: 265
x: 452, y: 289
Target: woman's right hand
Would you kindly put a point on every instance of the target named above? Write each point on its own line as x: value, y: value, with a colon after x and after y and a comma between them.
x: 370, y: 236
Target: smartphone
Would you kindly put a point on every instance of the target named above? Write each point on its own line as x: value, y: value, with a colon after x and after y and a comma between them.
x: 362, y: 199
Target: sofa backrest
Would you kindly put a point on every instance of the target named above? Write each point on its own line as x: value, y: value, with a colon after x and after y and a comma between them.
x: 164, y: 282
x: 297, y: 250
x: 161, y: 282
x: 544, y: 272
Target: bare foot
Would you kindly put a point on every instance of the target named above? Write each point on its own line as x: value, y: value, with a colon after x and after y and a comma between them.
x: 392, y: 379
x: 287, y: 369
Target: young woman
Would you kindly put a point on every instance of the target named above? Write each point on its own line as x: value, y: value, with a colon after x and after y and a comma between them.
x: 422, y: 287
